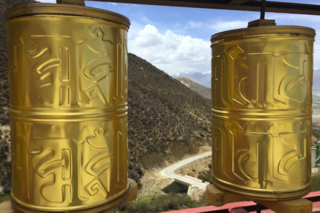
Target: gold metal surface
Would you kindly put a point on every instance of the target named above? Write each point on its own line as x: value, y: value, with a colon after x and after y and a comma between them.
x: 68, y: 103
x: 261, y: 111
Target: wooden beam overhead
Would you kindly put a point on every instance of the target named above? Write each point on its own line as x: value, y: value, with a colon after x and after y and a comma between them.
x: 237, y: 2
x: 248, y: 5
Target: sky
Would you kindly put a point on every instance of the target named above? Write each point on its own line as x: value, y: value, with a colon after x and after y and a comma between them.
x: 177, y: 39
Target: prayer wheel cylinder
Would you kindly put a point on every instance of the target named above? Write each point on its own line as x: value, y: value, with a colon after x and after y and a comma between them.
x: 67, y: 71
x: 261, y: 111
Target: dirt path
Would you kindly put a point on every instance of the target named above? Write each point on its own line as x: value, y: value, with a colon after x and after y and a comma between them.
x: 152, y: 181
x: 170, y: 170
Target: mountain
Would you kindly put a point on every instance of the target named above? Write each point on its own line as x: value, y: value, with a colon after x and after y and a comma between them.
x: 166, y: 118
x: 204, y: 91
x: 316, y: 80
x: 203, y: 79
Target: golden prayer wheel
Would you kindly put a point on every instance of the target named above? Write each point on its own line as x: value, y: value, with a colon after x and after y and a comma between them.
x: 261, y: 111
x: 67, y: 74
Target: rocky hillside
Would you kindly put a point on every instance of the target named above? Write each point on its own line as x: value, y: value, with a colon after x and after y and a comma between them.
x: 162, y: 111
x: 204, y: 91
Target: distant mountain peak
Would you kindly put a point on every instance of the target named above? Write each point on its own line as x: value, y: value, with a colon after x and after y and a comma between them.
x: 203, y: 79
x: 204, y: 91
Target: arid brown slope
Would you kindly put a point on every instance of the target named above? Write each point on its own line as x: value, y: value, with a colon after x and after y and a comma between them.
x: 204, y: 91
x: 162, y: 112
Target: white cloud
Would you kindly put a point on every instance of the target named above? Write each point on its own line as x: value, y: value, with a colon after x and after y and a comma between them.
x: 171, y: 52
x: 149, y: 37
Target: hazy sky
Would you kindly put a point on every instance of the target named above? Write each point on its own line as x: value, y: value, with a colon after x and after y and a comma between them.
x: 177, y: 39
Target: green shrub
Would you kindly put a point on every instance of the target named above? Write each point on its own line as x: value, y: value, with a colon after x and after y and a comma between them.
x: 161, y: 203
x: 316, y: 134
x: 4, y: 198
x: 205, y: 178
x: 315, y: 186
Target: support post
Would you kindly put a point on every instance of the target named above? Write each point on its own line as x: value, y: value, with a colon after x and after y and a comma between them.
x: 263, y: 9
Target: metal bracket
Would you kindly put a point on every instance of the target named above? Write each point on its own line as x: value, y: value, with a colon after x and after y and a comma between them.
x: 263, y: 9
x: 262, y: 21
x: 75, y: 2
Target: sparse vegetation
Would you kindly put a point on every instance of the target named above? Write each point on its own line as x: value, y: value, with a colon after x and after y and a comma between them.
x: 161, y: 202
x: 316, y: 133
x: 205, y: 178
x: 5, y: 198
x: 315, y: 186
x: 206, y: 175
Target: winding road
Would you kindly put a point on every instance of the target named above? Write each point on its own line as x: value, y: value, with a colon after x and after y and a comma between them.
x: 169, y: 171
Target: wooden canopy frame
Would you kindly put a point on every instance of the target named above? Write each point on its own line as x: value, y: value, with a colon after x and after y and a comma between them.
x: 246, y: 5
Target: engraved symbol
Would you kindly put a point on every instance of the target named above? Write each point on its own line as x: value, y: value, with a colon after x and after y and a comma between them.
x: 228, y: 87
x: 215, y: 79
x: 100, y: 162
x: 296, y: 152
x: 260, y: 166
x: 52, y: 66
x: 22, y: 162
x: 217, y: 142
x: 44, y: 70
x: 99, y: 70
x: 268, y: 87
x: 122, y: 153
x: 230, y: 150
x: 57, y: 162
x: 294, y: 85
x: 17, y: 70
x: 121, y: 69
x: 235, y: 87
